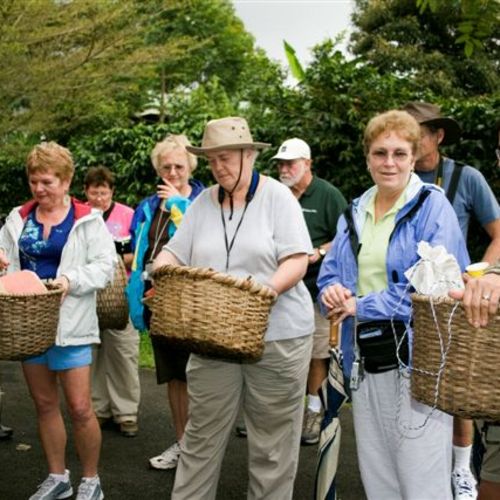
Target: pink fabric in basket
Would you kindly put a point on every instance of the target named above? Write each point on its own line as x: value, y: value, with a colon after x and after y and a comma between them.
x: 21, y: 282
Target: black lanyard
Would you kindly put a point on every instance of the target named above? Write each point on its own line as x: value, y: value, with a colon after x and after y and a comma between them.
x: 107, y: 213
x: 438, y: 179
x: 248, y: 198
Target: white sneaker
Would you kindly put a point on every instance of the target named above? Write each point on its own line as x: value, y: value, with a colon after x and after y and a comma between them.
x: 52, y: 488
x: 311, y: 427
x: 464, y: 484
x: 90, y: 489
x: 168, y: 459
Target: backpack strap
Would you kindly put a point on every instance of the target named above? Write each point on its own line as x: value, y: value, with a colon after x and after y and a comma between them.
x: 455, y: 177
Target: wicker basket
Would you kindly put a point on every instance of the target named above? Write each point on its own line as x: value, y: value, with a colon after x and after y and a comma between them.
x: 468, y: 383
x: 211, y: 313
x: 112, y: 305
x: 28, y: 323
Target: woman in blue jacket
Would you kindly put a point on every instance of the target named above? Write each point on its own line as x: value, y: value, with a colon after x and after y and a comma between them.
x: 155, y: 222
x: 362, y: 284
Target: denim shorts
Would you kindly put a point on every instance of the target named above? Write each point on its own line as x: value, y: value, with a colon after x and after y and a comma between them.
x: 63, y: 358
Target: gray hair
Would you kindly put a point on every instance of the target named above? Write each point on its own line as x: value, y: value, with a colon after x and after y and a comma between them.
x: 169, y: 143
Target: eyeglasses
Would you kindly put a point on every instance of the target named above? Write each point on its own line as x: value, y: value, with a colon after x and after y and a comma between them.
x: 397, y: 156
x: 99, y: 194
x: 165, y: 169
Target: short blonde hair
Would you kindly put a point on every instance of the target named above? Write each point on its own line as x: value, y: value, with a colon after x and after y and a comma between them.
x: 394, y: 120
x: 51, y: 156
x: 169, y: 143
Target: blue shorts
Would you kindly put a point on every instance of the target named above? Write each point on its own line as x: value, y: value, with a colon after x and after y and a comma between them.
x: 63, y: 358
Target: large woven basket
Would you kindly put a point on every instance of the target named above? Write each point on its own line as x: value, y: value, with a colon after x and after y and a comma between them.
x: 28, y: 323
x: 455, y: 367
x: 112, y: 305
x: 211, y: 313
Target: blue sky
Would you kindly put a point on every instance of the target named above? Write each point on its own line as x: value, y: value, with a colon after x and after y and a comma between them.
x: 302, y: 23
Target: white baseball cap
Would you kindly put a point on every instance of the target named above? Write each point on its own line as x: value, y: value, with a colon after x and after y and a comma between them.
x: 292, y: 149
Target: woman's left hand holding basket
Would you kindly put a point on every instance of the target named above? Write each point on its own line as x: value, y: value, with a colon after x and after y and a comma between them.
x: 62, y: 282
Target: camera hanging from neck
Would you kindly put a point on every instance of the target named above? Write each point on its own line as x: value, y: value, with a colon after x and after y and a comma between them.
x: 254, y: 183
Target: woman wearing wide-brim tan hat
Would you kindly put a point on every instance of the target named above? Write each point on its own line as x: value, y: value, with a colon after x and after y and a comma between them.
x: 247, y: 224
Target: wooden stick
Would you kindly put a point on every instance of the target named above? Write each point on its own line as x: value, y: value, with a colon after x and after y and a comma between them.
x: 334, y: 334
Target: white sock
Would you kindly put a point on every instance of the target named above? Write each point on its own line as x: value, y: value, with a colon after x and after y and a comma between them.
x: 93, y: 479
x: 61, y: 477
x: 313, y: 403
x: 461, y: 455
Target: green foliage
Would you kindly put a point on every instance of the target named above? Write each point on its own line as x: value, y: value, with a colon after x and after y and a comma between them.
x: 397, y: 38
x: 146, y: 356
x: 67, y: 68
x: 295, y: 67
x: 477, y: 22
x: 217, y: 43
x: 126, y: 150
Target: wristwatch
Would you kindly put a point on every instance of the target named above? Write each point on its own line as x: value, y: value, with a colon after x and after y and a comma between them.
x: 322, y: 251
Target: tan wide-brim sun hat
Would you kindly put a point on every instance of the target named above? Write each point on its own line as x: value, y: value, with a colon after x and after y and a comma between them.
x: 231, y: 132
x: 430, y: 114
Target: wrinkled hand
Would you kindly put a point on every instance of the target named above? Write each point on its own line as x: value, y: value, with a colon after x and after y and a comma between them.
x: 167, y: 190
x: 62, y: 282
x: 339, y: 301
x: 480, y: 298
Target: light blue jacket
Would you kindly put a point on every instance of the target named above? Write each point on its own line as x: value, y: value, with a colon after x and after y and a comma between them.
x: 139, y: 229
x: 426, y: 216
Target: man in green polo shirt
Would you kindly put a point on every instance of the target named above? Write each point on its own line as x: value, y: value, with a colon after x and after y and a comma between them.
x: 322, y: 204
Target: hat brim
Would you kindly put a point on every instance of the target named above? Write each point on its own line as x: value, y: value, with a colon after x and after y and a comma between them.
x: 452, y: 130
x: 213, y: 149
x: 288, y: 157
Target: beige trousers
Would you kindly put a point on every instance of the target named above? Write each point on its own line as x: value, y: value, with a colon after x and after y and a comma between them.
x: 271, y: 393
x: 115, y: 375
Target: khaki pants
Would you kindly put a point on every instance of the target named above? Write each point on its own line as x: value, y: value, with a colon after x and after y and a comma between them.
x: 490, y: 469
x: 115, y: 375
x: 271, y: 393
x: 321, y: 336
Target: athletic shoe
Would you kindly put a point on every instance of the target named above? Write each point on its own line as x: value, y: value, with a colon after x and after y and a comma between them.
x: 311, y: 427
x: 464, y: 485
x: 90, y: 489
x: 168, y: 459
x: 52, y: 489
x: 129, y: 428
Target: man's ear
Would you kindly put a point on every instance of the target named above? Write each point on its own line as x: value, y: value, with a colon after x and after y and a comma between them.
x: 440, y: 135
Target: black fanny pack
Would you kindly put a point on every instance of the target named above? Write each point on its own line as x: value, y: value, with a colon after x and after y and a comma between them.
x: 377, y: 345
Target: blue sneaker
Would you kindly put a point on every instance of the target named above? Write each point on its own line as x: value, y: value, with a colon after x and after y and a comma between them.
x: 90, y: 489
x: 53, y: 489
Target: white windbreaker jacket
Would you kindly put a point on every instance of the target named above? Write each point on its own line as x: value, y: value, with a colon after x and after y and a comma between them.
x: 87, y: 260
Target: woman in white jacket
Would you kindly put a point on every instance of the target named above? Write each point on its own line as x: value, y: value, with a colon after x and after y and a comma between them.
x: 62, y: 239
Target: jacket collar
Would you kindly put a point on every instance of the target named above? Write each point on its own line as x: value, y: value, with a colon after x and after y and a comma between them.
x: 359, y: 206
x: 81, y: 209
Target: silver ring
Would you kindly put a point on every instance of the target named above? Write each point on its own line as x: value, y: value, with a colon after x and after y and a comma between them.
x: 486, y: 296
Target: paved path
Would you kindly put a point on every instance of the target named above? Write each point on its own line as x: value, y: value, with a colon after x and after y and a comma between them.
x: 124, y: 472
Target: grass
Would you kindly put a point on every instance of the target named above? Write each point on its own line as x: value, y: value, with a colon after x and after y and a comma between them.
x: 146, y: 359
